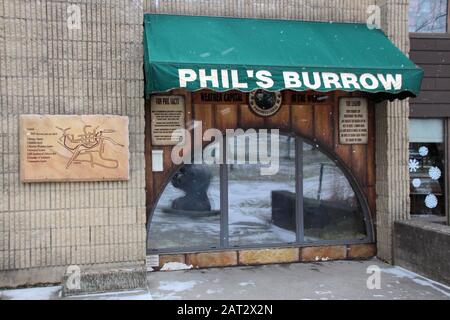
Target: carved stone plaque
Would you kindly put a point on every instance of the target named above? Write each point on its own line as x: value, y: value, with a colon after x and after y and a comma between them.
x: 353, y: 121
x: 73, y: 148
x: 168, y: 114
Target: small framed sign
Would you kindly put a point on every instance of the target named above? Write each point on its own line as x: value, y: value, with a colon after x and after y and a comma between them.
x: 65, y: 148
x: 353, y: 121
x: 167, y: 115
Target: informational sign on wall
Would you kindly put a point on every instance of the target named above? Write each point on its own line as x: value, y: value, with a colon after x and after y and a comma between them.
x: 167, y: 115
x: 353, y: 121
x: 73, y: 148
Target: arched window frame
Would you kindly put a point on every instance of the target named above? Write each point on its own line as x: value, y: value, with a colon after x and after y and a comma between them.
x: 300, y: 241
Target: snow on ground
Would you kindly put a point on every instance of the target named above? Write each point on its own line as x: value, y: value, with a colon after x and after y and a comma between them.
x: 318, y: 281
x: 248, y: 283
x: 330, y: 280
x: 172, y: 266
x: 423, y: 281
x: 210, y: 291
x: 36, y: 293
x: 176, y: 286
x: 54, y: 292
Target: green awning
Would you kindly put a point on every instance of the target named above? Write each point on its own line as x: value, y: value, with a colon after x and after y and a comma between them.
x: 221, y: 54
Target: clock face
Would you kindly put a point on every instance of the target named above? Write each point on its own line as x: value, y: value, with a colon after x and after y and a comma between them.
x: 265, y: 103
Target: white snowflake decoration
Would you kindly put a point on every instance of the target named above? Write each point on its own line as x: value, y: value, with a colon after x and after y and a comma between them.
x: 413, y: 165
x: 416, y: 182
x: 434, y: 173
x: 423, y: 151
x: 431, y: 201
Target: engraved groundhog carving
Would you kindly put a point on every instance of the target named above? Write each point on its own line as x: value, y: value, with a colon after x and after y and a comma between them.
x: 194, y: 181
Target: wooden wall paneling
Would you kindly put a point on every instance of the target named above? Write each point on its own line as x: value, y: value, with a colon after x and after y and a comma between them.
x: 204, y: 113
x: 371, y: 195
x: 431, y: 52
x: 280, y: 120
x: 303, y: 120
x: 371, y: 178
x: 359, y: 163
x: 247, y: 119
x: 323, y: 124
x: 343, y: 151
x: 226, y: 116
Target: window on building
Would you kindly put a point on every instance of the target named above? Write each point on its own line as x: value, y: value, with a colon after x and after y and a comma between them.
x: 261, y: 208
x: 235, y: 205
x: 426, y: 167
x: 331, y: 208
x: 428, y: 15
x: 188, y: 211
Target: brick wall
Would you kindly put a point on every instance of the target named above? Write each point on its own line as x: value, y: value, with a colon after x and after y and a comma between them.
x: 48, y: 69
x: 392, y: 127
x: 325, y: 10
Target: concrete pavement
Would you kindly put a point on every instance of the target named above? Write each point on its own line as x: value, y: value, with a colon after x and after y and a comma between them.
x: 320, y: 280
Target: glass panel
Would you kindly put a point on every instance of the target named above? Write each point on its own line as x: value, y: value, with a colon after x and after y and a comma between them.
x: 262, y: 207
x: 427, y: 15
x: 426, y: 130
x: 426, y: 170
x: 331, y: 209
x: 188, y: 212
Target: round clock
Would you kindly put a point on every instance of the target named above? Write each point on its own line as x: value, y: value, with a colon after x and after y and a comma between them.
x: 265, y: 103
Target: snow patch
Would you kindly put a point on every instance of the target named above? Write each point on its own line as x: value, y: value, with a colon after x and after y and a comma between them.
x: 317, y: 258
x: 403, y: 273
x: 322, y: 292
x: 176, y: 286
x: 248, y: 283
x: 37, y: 293
x: 173, y: 266
x: 211, y: 291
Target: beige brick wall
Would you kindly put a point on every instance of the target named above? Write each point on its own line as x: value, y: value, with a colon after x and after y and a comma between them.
x: 325, y: 10
x: 48, y: 69
x: 392, y: 141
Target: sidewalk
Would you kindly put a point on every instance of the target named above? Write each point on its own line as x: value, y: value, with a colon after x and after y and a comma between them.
x: 321, y: 280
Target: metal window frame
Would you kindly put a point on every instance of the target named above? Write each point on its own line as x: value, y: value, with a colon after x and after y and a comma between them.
x: 446, y: 160
x: 299, y: 214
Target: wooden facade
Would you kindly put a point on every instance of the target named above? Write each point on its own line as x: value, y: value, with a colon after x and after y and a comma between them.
x: 316, y: 120
x: 432, y: 53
